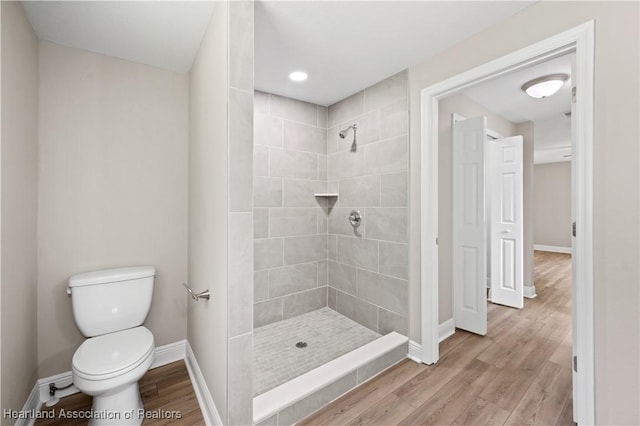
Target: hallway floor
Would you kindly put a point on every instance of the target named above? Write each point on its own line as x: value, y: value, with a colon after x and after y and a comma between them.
x: 519, y: 373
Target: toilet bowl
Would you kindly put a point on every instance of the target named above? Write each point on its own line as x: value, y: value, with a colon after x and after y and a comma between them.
x: 109, y: 307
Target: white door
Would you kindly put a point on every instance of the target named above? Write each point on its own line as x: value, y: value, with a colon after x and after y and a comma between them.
x: 504, y: 173
x: 469, y: 247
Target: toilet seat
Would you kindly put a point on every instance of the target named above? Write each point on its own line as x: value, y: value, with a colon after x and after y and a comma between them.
x: 113, y: 354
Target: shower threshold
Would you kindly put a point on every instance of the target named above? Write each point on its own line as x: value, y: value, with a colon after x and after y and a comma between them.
x: 291, y: 381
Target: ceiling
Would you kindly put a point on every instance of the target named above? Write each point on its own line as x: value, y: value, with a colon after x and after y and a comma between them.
x: 344, y: 46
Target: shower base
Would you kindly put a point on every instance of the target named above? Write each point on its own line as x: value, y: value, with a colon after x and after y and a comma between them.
x: 292, y: 380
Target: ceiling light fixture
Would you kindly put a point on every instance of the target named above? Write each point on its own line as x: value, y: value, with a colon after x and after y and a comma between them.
x: 298, y: 76
x: 543, y: 87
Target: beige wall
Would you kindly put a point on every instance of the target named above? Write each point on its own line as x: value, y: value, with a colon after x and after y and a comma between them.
x: 464, y: 106
x: 526, y: 131
x: 552, y: 204
x: 616, y: 212
x: 221, y: 209
x: 19, y: 153
x: 112, y: 188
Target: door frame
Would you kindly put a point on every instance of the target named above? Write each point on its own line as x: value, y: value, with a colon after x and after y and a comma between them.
x: 580, y: 40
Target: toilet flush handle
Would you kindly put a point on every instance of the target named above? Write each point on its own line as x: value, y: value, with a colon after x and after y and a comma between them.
x: 197, y: 296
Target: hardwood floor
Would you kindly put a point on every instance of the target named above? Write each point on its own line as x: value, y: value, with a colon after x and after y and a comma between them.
x: 165, y: 390
x: 519, y: 373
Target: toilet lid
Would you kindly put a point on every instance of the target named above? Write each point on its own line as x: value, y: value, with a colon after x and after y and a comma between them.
x: 113, y: 353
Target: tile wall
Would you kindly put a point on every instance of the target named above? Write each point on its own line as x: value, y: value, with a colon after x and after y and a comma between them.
x: 290, y: 223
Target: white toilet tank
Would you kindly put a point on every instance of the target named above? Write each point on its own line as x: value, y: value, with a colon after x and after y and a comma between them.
x: 112, y: 299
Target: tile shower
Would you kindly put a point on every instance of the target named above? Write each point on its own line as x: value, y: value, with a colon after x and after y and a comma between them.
x: 315, y: 276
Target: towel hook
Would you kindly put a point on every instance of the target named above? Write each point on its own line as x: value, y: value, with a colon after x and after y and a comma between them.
x: 197, y: 296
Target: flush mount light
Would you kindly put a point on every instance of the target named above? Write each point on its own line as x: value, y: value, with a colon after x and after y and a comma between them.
x: 542, y: 87
x: 298, y: 76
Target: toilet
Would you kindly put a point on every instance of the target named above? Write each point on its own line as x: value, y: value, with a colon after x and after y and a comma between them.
x: 109, y: 307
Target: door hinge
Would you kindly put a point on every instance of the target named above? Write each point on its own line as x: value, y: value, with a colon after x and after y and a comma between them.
x: 573, y: 229
x: 573, y: 94
x: 575, y: 364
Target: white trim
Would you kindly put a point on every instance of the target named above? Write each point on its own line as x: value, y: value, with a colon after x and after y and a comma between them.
x: 166, y: 354
x: 455, y: 117
x: 554, y: 249
x: 415, y: 351
x: 32, y: 404
x: 207, y: 406
x: 446, y: 329
x: 529, y: 291
x: 581, y: 40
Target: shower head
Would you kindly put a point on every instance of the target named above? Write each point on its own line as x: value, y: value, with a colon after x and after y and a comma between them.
x: 343, y: 133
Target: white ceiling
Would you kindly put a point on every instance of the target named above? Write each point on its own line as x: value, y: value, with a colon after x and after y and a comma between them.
x: 345, y: 46
x: 163, y: 34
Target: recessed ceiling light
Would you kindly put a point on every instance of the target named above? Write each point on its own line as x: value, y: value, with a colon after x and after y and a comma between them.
x: 542, y: 87
x: 298, y: 76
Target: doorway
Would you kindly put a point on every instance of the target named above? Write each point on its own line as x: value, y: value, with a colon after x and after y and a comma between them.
x: 580, y: 41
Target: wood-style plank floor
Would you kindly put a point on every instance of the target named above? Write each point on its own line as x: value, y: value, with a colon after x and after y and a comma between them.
x: 519, y: 373
x: 164, y: 390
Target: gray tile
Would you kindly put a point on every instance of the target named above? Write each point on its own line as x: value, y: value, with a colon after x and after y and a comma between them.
x: 339, y: 222
x: 394, y: 259
x: 358, y: 252
x: 300, y: 193
x: 389, y: 224
x: 267, y: 253
x: 309, y: 248
x: 303, y: 302
x: 269, y: 421
x: 240, y: 150
x: 360, y: 191
x: 241, y: 387
x: 323, y: 221
x: 293, y: 164
x: 260, y: 222
x: 393, y: 190
x: 241, y: 25
x: 368, y: 130
x: 323, y: 117
x: 294, y: 110
x: 260, y: 102
x: 332, y: 247
x: 291, y: 221
x: 319, y: 399
x: 331, y: 298
x: 267, y: 312
x: 380, y: 364
x: 390, y: 155
x: 388, y: 322
x: 346, y: 109
x: 358, y: 310
x: 387, y: 292
x: 240, y: 273
x: 394, y: 119
x: 386, y: 91
x: 267, y: 192
x: 292, y: 279
x: 260, y: 160
x: 332, y: 140
x: 322, y: 167
x: 342, y: 277
x: 322, y: 273
x: 260, y: 285
x: 267, y: 130
x: 302, y: 137
x: 346, y: 164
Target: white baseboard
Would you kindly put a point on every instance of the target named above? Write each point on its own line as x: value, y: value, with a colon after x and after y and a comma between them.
x: 31, y: 405
x: 163, y: 355
x: 530, y: 292
x: 415, y: 351
x: 207, y: 406
x: 554, y: 249
x: 446, y: 329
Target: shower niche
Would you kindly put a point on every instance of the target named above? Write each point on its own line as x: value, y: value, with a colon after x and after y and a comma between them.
x: 330, y: 298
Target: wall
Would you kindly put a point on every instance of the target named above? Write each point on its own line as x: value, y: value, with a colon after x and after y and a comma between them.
x: 19, y: 154
x: 290, y: 224
x: 526, y: 129
x: 112, y: 188
x: 616, y: 227
x: 221, y: 209
x: 368, y: 266
x: 552, y: 204
x: 464, y: 106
